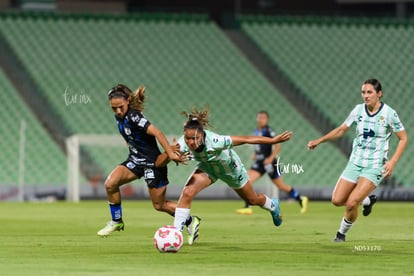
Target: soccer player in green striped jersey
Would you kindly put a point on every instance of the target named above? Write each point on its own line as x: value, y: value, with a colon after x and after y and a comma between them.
x: 368, y: 164
x: 217, y: 160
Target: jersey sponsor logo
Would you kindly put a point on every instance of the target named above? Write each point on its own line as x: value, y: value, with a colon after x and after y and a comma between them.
x: 137, y: 160
x: 368, y: 133
x: 127, y: 131
x: 142, y: 122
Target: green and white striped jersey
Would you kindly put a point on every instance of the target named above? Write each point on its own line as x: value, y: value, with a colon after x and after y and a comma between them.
x: 218, y: 159
x: 371, y: 144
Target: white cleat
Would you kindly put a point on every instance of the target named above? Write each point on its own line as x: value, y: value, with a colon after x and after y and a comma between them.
x: 110, y: 227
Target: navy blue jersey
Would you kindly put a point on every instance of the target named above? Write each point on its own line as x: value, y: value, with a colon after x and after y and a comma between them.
x: 263, y: 150
x: 143, y: 147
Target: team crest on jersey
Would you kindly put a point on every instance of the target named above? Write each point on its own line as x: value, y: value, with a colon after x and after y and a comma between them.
x: 127, y: 131
x: 381, y: 121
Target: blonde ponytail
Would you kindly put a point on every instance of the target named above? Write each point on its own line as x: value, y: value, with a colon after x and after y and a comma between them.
x: 137, y: 99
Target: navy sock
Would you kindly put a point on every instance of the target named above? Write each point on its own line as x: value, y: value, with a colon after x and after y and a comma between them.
x: 116, y: 211
x: 294, y: 194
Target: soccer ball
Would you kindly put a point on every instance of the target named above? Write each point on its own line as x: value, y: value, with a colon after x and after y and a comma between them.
x: 168, y: 239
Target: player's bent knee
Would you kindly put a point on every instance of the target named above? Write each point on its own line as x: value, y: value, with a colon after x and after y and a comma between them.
x: 337, y: 202
x: 111, y: 186
x: 187, y: 193
x: 351, y: 204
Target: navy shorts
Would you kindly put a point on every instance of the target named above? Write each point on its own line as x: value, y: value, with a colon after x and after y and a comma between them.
x: 272, y: 169
x: 154, y: 177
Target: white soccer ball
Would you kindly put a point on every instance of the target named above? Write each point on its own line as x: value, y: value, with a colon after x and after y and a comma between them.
x: 168, y: 239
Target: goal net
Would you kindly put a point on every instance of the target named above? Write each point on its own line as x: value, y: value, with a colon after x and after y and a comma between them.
x: 74, y: 144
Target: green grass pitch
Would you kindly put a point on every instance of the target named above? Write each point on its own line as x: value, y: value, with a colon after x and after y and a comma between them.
x: 60, y: 239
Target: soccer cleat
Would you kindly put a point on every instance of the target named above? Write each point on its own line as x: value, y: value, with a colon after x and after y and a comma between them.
x: 244, y: 211
x: 110, y: 227
x: 339, y: 237
x: 193, y: 230
x: 368, y: 208
x: 304, y: 200
x: 276, y: 215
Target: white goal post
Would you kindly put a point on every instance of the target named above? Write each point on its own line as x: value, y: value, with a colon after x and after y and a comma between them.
x: 73, y: 144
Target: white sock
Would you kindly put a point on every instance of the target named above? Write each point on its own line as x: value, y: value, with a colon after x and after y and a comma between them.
x: 269, y: 204
x: 180, y: 217
x: 366, y: 201
x: 345, y: 226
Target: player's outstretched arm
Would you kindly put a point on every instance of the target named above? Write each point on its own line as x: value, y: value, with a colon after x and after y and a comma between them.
x: 171, y: 154
x: 240, y: 140
x: 163, y: 159
x: 332, y: 135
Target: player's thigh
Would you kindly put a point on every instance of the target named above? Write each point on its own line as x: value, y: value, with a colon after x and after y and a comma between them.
x: 119, y: 176
x: 157, y: 195
x: 342, y: 191
x: 362, y: 189
x: 253, y: 175
x: 198, y: 181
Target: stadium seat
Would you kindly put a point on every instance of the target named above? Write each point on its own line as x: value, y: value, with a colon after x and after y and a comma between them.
x: 183, y: 61
x: 329, y: 59
x: 41, y: 154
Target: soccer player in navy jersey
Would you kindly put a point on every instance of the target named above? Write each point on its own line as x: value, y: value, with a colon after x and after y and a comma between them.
x: 141, y: 137
x: 265, y: 157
